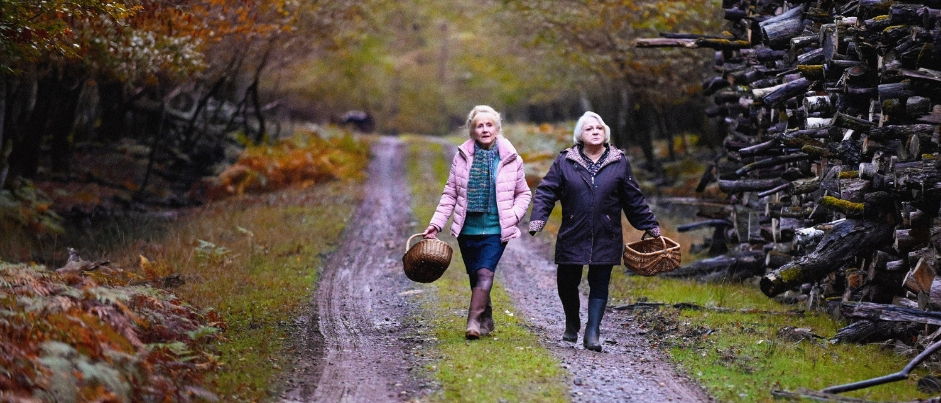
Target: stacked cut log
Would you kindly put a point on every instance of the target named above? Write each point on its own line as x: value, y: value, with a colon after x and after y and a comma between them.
x: 832, y: 163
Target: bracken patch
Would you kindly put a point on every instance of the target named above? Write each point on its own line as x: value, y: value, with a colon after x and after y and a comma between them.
x: 68, y: 338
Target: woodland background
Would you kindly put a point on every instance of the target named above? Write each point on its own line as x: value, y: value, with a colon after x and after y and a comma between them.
x: 116, y: 114
x: 150, y: 135
x: 184, y: 85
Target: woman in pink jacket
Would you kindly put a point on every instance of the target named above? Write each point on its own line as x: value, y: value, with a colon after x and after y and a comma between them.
x: 488, y: 195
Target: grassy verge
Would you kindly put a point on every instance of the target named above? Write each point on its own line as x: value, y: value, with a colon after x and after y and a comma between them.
x: 510, y: 365
x: 253, y: 259
x: 743, y: 354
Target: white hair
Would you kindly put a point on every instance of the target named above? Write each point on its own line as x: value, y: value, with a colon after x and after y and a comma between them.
x: 483, y: 110
x: 577, y: 134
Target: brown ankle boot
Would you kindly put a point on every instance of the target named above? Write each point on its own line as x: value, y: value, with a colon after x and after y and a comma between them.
x: 486, y: 319
x: 477, y: 306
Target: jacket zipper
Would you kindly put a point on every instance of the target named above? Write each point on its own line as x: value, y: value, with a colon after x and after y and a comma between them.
x: 591, y: 215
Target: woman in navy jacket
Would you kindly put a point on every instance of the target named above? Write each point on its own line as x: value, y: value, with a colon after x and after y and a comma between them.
x: 594, y: 183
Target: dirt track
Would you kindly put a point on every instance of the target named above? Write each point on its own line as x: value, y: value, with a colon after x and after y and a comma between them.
x: 356, y: 345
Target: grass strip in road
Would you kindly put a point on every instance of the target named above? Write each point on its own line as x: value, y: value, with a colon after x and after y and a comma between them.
x: 508, y: 366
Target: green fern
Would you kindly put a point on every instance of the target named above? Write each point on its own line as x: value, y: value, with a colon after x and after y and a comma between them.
x: 201, y: 332
x: 109, y: 295
x: 66, y: 364
x: 206, y: 250
x: 176, y: 348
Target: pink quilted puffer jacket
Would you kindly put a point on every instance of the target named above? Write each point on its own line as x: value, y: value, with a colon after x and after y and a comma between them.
x: 513, y: 194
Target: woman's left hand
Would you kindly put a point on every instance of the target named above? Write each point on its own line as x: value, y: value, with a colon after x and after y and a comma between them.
x: 430, y: 232
x: 654, y: 232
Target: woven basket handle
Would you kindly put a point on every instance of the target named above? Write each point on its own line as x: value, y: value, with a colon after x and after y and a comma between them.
x: 642, y: 237
x: 409, y: 241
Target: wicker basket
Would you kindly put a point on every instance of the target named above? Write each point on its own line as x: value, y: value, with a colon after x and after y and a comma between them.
x: 648, y: 257
x: 427, y: 260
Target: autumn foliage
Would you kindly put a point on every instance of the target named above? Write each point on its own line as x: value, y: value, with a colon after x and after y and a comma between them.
x: 302, y: 160
x: 67, y: 337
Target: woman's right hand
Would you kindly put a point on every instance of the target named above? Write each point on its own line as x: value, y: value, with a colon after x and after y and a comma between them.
x: 430, y: 232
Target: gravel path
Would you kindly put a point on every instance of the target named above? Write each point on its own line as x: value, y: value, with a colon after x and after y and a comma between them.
x: 353, y: 349
x: 356, y: 345
x: 627, y: 370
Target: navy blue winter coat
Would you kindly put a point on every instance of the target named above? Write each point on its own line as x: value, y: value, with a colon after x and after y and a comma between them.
x: 591, y: 209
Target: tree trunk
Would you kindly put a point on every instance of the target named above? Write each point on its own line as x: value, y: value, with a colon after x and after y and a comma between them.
x: 617, y: 103
x: 62, y: 124
x: 840, y: 244
x: 925, y: 175
x: 750, y: 185
x: 732, y: 267
x: 851, y: 122
x: 256, y: 102
x: 25, y: 152
x: 899, y: 132
x: 643, y: 134
x: 665, y: 131
x: 114, y: 111
x: 3, y: 112
x: 869, y: 331
x: 895, y: 90
x: 907, y: 239
x: 778, y: 31
x: 773, y: 161
x: 891, y: 313
x: 154, y: 150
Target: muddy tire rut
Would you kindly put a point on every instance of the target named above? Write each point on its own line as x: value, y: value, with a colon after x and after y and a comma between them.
x: 357, y: 343
x: 353, y: 349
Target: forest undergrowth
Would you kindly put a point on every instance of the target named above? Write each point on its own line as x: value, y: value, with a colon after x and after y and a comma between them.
x: 197, y: 305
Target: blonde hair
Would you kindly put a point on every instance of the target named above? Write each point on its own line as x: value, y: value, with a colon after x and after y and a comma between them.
x: 577, y: 135
x: 481, y: 110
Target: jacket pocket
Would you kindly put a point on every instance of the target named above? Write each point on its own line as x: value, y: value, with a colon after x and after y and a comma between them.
x: 609, y: 226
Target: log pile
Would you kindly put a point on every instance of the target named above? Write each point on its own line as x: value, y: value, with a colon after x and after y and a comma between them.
x: 832, y: 162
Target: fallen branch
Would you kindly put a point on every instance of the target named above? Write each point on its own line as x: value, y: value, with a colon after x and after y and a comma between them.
x: 698, y: 307
x: 804, y: 393
x: 840, y: 244
x: 891, y: 313
x: 898, y: 376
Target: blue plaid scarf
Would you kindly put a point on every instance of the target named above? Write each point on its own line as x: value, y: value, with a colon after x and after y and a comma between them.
x: 480, y: 183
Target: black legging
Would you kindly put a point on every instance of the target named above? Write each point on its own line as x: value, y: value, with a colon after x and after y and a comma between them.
x: 481, y: 278
x: 569, y: 275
